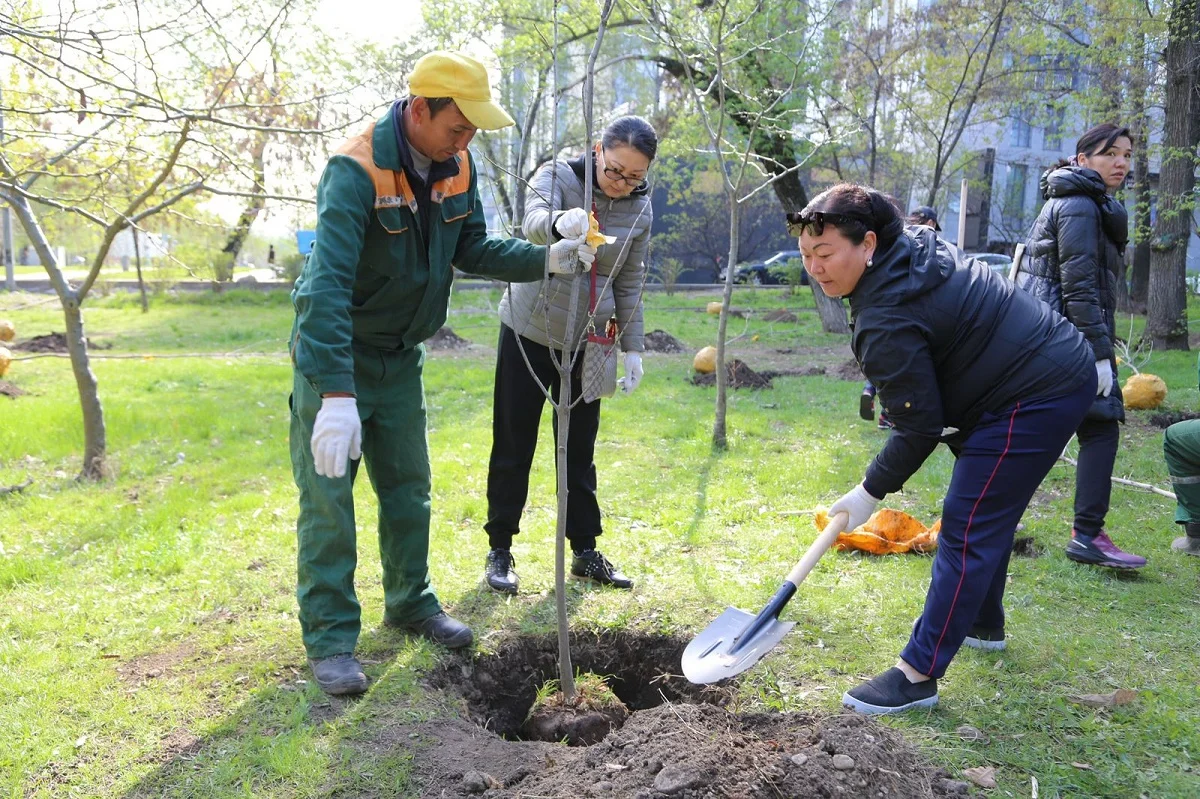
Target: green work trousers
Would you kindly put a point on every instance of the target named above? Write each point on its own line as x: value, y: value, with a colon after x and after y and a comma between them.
x: 391, y: 404
x: 1181, y: 448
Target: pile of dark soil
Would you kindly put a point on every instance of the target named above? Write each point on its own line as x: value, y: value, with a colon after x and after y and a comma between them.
x: 738, y: 375
x: 1168, y: 418
x: 849, y: 371
x: 51, y: 342
x: 7, y: 389
x: 447, y: 339
x: 781, y: 315
x: 679, y: 741
x: 662, y: 341
x: 810, y: 371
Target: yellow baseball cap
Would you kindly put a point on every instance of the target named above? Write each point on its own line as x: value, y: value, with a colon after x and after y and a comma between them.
x: 446, y: 74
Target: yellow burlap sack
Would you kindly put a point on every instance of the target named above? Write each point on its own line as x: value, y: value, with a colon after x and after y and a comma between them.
x: 887, y: 532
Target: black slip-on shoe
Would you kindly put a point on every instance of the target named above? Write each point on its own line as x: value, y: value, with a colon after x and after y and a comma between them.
x: 591, y: 565
x: 498, y: 571
x: 441, y: 628
x: 339, y: 674
x: 990, y: 638
x: 891, y: 692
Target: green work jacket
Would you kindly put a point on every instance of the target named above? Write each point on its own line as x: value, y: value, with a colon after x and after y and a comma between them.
x: 374, y: 277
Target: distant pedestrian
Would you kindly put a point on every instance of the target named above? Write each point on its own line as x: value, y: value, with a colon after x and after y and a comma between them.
x: 270, y: 255
x: 1075, y: 252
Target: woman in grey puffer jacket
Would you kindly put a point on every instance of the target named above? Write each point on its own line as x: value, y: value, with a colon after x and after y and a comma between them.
x: 534, y: 320
x: 1076, y: 248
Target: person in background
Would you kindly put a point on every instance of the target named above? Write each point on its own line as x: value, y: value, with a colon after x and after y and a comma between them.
x: 1181, y: 448
x: 921, y: 215
x: 928, y: 334
x: 270, y: 255
x: 1074, y: 258
x: 533, y: 320
x: 398, y: 207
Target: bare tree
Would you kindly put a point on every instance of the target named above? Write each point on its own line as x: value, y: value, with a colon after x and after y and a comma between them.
x: 112, y: 129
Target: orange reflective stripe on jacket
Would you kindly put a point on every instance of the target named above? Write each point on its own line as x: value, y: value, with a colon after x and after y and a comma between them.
x: 391, y: 186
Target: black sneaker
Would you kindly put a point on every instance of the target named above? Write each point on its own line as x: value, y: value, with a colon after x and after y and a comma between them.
x: 591, y: 565
x: 498, y: 571
x: 866, y: 405
x: 891, y: 692
x: 989, y: 638
x: 339, y: 674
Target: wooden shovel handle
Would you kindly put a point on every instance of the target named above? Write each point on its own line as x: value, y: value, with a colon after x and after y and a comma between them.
x: 817, y: 548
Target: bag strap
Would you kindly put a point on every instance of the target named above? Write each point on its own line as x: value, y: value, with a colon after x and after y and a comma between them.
x: 592, y: 280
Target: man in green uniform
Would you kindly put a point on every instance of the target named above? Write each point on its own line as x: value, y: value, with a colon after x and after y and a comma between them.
x: 396, y: 206
x: 1181, y: 447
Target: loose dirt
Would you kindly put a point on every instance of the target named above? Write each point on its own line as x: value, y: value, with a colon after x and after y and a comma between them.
x: 681, y: 741
x: 447, y: 339
x: 738, y: 375
x: 662, y: 341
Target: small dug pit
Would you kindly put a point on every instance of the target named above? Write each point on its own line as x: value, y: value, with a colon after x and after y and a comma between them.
x: 738, y: 375
x: 679, y: 742
x: 1168, y: 418
x: 641, y: 670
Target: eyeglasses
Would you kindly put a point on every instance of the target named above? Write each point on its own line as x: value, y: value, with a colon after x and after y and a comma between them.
x: 617, y: 176
x: 798, y: 222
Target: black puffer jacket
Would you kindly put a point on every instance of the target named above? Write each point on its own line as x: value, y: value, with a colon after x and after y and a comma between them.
x: 945, y: 340
x: 1075, y: 252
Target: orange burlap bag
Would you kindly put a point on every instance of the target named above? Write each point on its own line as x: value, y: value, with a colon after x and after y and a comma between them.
x: 886, y: 532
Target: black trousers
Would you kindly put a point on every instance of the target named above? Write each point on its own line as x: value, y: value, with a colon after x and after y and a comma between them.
x: 516, y: 415
x: 1093, y: 478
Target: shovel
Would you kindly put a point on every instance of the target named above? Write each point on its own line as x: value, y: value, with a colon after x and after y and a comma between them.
x: 737, y: 640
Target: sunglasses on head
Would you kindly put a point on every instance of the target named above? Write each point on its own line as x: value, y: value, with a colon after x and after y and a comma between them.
x: 815, y: 221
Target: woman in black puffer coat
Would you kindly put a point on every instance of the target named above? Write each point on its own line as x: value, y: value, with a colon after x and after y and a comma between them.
x: 1076, y: 249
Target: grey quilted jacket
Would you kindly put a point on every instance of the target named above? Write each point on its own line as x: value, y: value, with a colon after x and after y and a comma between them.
x: 538, y: 311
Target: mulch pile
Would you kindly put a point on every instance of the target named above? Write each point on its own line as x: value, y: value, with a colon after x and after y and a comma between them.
x: 51, y: 342
x: 447, y: 339
x: 738, y: 375
x: 662, y: 341
x: 850, y: 371
x: 781, y: 315
x: 7, y: 389
x: 1166, y: 419
x: 688, y: 752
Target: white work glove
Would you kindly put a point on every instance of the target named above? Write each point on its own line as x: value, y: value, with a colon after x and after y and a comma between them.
x: 337, y: 435
x: 573, y: 223
x: 1104, y: 378
x: 568, y: 254
x: 633, y: 372
x: 858, y: 504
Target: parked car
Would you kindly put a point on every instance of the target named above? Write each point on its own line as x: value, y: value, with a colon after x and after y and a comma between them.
x: 770, y: 272
x: 997, y: 262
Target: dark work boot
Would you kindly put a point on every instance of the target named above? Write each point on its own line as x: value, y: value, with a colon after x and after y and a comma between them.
x: 866, y: 404
x: 591, y: 565
x: 441, y: 628
x: 339, y: 674
x: 1101, y: 551
x: 1188, y: 544
x: 498, y: 571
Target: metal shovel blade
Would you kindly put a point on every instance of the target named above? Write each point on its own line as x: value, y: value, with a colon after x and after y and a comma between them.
x: 711, y: 656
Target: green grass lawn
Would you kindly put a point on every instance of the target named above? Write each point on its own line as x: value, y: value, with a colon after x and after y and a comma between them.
x: 148, y: 639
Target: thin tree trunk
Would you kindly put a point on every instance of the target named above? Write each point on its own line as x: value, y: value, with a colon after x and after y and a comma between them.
x: 94, y: 435
x: 1140, y: 274
x: 137, y: 259
x: 1166, y: 318
x: 720, y: 440
x: 237, y: 236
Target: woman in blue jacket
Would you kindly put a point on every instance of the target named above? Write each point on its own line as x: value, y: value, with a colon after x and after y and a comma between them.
x: 959, y: 356
x: 1075, y: 249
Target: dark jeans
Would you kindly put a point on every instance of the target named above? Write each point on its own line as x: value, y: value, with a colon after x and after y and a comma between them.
x: 998, y: 467
x: 1093, y: 479
x: 516, y: 414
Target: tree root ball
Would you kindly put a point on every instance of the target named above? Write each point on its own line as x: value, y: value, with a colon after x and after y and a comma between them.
x: 705, y: 361
x: 7, y: 330
x: 5, y: 360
